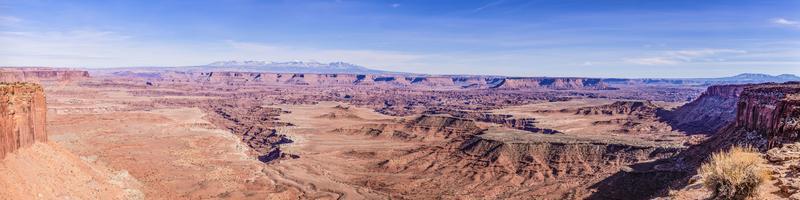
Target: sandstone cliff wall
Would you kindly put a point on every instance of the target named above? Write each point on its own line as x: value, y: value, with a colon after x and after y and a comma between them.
x: 486, y: 167
x: 240, y: 78
x: 22, y: 116
x: 771, y: 111
x: 38, y: 75
x: 714, y: 109
x: 762, y: 116
x: 552, y: 83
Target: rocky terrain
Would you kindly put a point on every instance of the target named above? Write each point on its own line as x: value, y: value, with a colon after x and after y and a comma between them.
x: 41, y: 74
x: 23, y: 112
x: 765, y: 118
x: 255, y: 135
x: 31, y: 167
x: 714, y: 109
x: 347, y: 79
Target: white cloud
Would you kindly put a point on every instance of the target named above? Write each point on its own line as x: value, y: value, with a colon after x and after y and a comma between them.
x: 685, y: 56
x: 786, y: 22
x: 91, y: 48
x: 652, y: 61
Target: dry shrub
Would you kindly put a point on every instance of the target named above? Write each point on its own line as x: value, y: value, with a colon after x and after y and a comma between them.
x: 734, y: 174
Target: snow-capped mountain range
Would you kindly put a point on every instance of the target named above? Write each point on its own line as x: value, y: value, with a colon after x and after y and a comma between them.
x: 289, y: 67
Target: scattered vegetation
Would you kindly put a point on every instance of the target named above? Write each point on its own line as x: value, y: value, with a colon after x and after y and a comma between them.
x: 734, y: 174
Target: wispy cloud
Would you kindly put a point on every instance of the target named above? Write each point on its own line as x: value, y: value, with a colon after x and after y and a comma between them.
x: 785, y: 22
x: 8, y: 20
x: 685, y: 56
x: 93, y: 48
x: 488, y: 5
x: 395, y: 5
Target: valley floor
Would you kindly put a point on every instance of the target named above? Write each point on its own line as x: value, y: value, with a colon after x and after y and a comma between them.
x: 175, y: 152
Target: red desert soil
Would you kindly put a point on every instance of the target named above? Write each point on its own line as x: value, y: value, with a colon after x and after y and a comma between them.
x: 214, y: 138
x: 47, y: 171
x: 173, y: 152
x: 33, y: 168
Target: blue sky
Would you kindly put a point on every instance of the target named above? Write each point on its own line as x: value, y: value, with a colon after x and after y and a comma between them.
x: 597, y: 38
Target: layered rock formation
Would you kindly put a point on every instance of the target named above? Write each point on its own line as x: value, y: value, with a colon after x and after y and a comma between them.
x: 255, y: 125
x: 504, y: 165
x: 312, y: 79
x: 553, y: 83
x: 526, y: 124
x: 639, y: 116
x: 766, y: 116
x: 639, y: 108
x: 714, y: 109
x: 22, y: 116
x: 422, y: 128
x: 31, y: 167
x: 772, y: 111
x: 39, y: 75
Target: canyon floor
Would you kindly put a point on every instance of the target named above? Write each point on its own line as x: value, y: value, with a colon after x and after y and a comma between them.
x: 315, y: 136
x: 175, y: 152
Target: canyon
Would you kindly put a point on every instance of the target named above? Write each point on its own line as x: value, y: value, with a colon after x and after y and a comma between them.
x: 33, y: 167
x: 194, y: 134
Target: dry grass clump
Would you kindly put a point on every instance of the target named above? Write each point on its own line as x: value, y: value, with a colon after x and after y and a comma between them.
x: 734, y: 174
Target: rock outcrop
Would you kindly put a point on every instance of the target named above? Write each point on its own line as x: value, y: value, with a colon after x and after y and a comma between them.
x: 766, y: 116
x: 255, y: 125
x: 312, y: 79
x: 421, y: 128
x: 497, y: 166
x: 552, y: 83
x: 714, y: 109
x: 639, y: 108
x: 22, y: 116
x: 41, y: 75
x: 772, y: 111
x: 526, y: 124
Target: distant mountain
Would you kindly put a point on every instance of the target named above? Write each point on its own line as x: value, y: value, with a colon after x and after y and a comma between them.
x: 738, y: 79
x: 287, y: 67
x: 757, y: 78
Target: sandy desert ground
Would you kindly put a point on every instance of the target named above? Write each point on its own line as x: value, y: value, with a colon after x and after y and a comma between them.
x: 176, y: 153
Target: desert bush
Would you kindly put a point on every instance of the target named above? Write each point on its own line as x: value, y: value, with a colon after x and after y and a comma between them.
x: 734, y: 174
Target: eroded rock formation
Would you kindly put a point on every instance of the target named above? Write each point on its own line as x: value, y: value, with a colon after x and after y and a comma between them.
x: 639, y: 108
x: 423, y: 127
x: 41, y: 74
x: 552, y: 83
x: 255, y: 125
x: 491, y: 166
x: 312, y: 79
x: 714, y: 109
x: 526, y: 124
x: 772, y: 111
x: 22, y: 116
x: 766, y: 116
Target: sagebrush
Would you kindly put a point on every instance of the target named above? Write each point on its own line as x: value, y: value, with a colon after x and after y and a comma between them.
x: 734, y: 174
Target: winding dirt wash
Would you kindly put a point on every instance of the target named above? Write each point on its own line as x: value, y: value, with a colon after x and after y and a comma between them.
x: 331, y: 163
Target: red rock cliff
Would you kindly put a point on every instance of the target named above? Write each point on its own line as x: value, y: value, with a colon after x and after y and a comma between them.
x: 22, y: 116
x: 41, y: 75
x: 312, y: 79
x: 714, y: 109
x: 552, y: 83
x: 772, y: 111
